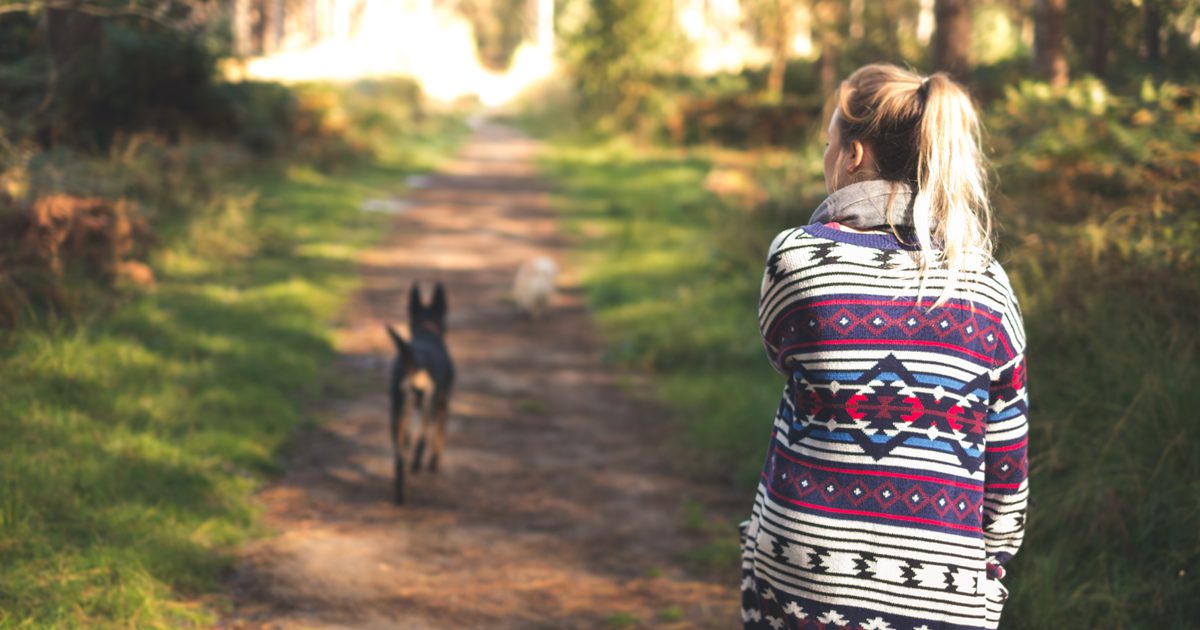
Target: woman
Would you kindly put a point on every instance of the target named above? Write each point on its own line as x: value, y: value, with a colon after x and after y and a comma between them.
x: 894, y: 487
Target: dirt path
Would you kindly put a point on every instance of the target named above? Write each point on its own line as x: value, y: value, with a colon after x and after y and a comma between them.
x: 554, y: 508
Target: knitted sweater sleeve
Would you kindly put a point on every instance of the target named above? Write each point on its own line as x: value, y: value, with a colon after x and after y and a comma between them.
x: 1006, y: 483
x: 780, y: 267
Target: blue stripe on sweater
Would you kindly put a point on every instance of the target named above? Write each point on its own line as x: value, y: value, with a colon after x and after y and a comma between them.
x: 924, y: 379
x: 841, y: 436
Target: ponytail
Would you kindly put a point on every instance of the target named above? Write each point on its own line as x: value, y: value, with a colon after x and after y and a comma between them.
x: 925, y: 132
x: 951, y: 204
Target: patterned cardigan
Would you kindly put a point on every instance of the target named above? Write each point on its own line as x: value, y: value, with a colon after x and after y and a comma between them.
x: 895, y: 481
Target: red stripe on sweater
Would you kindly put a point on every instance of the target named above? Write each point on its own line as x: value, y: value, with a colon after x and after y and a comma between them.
x: 895, y: 517
x: 779, y: 318
x: 891, y: 342
x: 889, y: 475
x: 1010, y: 447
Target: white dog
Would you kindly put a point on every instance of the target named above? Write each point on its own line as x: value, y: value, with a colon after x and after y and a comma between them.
x: 534, y: 285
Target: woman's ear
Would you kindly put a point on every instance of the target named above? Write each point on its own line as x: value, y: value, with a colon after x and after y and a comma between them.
x: 855, y: 156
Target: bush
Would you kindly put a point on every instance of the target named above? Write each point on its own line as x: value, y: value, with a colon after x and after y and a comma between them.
x: 616, y: 60
x: 1116, y: 175
x: 60, y: 236
x: 259, y: 115
x: 745, y: 121
x: 83, y: 81
x: 134, y: 79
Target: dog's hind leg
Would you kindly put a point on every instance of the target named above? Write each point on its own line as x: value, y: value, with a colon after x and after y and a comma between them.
x: 420, y: 403
x: 420, y: 452
x: 399, y: 440
x: 398, y: 413
x: 441, y: 408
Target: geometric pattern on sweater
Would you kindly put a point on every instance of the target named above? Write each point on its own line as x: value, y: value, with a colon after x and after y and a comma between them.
x: 773, y: 614
x: 770, y: 614
x: 887, y: 406
x: 889, y: 319
x: 896, y: 479
x: 895, y: 496
x: 899, y: 570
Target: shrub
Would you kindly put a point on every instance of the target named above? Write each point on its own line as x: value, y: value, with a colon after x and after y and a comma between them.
x: 616, y: 59
x: 59, y: 236
x: 745, y: 121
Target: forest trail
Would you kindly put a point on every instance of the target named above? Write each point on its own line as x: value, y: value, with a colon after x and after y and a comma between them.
x: 555, y: 507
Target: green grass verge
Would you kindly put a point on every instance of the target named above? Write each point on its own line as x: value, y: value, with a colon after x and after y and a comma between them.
x: 672, y: 274
x: 133, y: 438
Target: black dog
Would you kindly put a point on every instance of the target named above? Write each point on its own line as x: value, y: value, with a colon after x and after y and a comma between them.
x: 424, y: 375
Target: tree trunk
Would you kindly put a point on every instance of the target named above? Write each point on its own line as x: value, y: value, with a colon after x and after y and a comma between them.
x: 891, y: 28
x: 69, y: 36
x: 314, y: 22
x: 1152, y: 30
x: 829, y: 25
x: 828, y: 68
x: 68, y: 32
x: 952, y: 37
x: 857, y: 10
x: 241, y: 27
x: 781, y: 42
x: 1049, y: 41
x: 275, y: 18
x: 1098, y: 37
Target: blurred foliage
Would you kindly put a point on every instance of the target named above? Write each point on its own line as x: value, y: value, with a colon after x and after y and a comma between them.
x: 499, y: 27
x: 130, y: 112
x: 621, y: 49
x: 629, y: 62
x: 83, y: 74
x: 1125, y: 27
x: 85, y: 81
x: 165, y: 188
x: 1120, y: 174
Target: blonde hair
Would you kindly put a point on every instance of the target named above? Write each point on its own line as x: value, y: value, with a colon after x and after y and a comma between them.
x: 925, y: 132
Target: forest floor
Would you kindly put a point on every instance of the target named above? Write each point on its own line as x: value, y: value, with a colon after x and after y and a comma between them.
x: 556, y: 506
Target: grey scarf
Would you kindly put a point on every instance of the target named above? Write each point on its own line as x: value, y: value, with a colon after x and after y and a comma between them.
x: 864, y: 205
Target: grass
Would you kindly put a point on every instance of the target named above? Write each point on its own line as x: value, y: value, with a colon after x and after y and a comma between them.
x: 135, y: 435
x: 1104, y: 268
x: 531, y: 406
x: 622, y: 620
x: 670, y: 296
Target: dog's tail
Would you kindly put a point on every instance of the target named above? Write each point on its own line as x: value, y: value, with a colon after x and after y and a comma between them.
x: 396, y: 338
x: 402, y: 347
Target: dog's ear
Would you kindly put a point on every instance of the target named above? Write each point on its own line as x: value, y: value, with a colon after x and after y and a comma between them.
x: 414, y: 302
x: 439, y: 302
x: 402, y: 347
